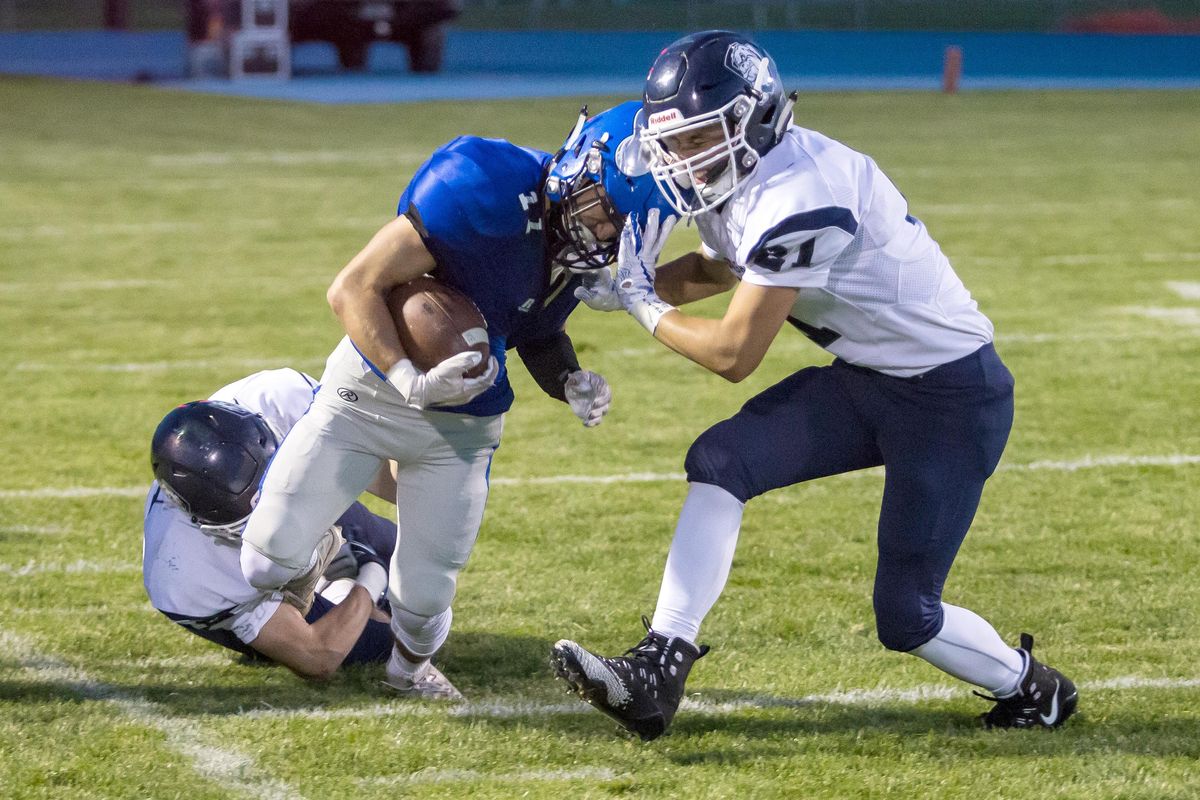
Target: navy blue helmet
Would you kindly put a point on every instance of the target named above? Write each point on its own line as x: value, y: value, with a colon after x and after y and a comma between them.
x: 712, y: 107
x: 593, y: 185
x: 210, y: 457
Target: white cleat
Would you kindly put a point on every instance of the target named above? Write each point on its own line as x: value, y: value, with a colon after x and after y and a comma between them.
x: 427, y: 684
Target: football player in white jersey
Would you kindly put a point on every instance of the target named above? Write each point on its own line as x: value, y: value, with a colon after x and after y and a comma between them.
x: 208, y: 458
x: 813, y: 234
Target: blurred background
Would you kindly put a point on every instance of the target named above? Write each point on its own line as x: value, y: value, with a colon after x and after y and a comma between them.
x: 350, y: 51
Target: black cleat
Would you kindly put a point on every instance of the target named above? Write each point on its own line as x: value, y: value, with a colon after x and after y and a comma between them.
x: 1044, y: 699
x: 640, y: 690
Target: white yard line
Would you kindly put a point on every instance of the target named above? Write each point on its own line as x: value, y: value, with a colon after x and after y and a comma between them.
x: 1169, y: 257
x: 797, y: 345
x: 1047, y: 207
x: 73, y: 492
x: 695, y: 704
x: 1189, y: 317
x: 1188, y: 290
x: 164, y: 366
x: 79, y: 567
x: 231, y: 769
x: 1087, y: 462
x: 73, y: 612
x: 38, y: 530
x: 85, y: 286
x: 223, y: 158
x: 431, y: 776
x: 21, y: 233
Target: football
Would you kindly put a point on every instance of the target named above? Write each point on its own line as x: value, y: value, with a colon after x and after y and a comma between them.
x: 435, y: 321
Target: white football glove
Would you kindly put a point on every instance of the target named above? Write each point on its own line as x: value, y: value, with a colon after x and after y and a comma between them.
x: 636, y: 259
x: 599, y: 290
x: 588, y: 395
x: 445, y: 384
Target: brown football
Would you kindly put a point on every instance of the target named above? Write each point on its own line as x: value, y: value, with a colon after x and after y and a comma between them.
x: 435, y: 321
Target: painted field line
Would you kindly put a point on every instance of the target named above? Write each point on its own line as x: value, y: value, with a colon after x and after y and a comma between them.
x: 79, y: 567
x: 229, y: 768
x: 1188, y: 290
x: 164, y: 366
x: 1048, y: 207
x: 597, y: 480
x: 432, y: 776
x: 783, y: 346
x: 73, y: 612
x: 695, y: 704
x: 85, y: 286
x: 169, y: 227
x: 1087, y: 462
x: 37, y: 530
x: 1180, y: 316
x: 1171, y: 256
x: 73, y: 492
x: 221, y: 158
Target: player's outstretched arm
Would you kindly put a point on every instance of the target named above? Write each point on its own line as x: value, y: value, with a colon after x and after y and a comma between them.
x: 734, y: 345
x: 693, y: 277
x: 395, y: 255
x: 315, y: 651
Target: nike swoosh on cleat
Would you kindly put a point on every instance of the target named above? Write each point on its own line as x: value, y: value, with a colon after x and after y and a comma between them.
x: 1049, y: 719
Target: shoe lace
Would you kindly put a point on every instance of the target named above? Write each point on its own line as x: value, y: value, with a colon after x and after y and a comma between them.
x: 649, y: 648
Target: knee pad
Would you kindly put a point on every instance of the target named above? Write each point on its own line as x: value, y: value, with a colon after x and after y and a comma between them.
x: 906, y: 624
x: 263, y: 573
x: 420, y: 635
x: 715, y: 459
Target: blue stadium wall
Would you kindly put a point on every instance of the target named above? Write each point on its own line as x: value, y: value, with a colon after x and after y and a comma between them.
x: 525, y: 63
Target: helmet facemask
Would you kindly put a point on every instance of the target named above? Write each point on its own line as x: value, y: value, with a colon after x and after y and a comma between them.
x: 584, y: 209
x: 230, y: 532
x: 701, y: 181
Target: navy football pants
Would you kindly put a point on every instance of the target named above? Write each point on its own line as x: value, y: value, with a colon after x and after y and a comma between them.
x: 938, y: 435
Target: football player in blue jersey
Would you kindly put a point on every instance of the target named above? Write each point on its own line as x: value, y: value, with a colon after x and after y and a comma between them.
x: 815, y: 235
x: 514, y: 229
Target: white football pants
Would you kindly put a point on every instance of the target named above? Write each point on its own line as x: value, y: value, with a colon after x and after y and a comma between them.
x: 357, y: 422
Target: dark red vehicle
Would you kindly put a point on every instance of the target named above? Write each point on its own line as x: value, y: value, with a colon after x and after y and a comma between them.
x: 351, y: 26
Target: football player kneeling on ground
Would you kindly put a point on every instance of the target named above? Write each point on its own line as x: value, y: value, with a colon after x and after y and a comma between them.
x: 814, y: 234
x: 208, y: 458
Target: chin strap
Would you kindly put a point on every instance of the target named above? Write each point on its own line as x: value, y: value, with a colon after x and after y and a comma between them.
x: 785, y: 116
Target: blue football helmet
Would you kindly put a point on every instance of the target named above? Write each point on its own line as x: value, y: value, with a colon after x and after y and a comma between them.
x: 210, y: 457
x: 593, y: 183
x: 712, y: 107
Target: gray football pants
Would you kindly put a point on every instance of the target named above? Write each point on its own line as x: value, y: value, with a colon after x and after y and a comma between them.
x: 356, y: 423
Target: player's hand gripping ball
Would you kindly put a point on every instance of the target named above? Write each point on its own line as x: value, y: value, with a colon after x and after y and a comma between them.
x: 435, y: 321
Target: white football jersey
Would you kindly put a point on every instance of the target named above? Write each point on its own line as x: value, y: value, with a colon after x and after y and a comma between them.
x: 194, y: 578
x: 875, y: 288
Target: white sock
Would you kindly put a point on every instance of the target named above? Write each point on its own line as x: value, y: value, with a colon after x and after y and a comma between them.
x: 421, y: 636
x: 968, y: 648
x: 698, y: 563
x: 399, y: 666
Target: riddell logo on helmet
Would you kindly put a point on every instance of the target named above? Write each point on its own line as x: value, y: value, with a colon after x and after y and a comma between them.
x: 664, y: 117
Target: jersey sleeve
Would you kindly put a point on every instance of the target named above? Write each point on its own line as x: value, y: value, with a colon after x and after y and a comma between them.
x: 798, y: 250
x: 281, y: 396
x: 471, y: 191
x: 248, y: 620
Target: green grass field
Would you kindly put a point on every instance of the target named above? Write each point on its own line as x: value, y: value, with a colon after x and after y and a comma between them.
x: 155, y: 245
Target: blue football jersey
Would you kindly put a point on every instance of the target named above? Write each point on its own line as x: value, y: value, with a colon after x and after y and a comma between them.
x: 477, y: 206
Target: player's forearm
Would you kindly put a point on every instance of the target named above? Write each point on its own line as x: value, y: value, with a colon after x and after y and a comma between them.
x: 709, y: 344
x: 334, y: 635
x: 690, y: 278
x: 365, y: 318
